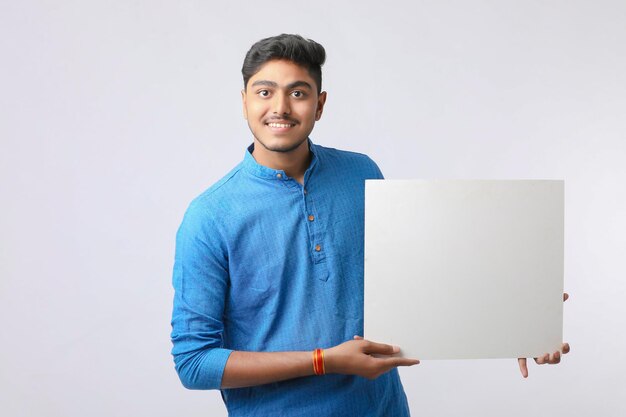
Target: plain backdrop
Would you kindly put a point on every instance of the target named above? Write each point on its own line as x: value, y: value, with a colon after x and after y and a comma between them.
x: 115, y: 114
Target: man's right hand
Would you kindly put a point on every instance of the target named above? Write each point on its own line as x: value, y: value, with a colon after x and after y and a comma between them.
x: 364, y: 358
x: 354, y: 357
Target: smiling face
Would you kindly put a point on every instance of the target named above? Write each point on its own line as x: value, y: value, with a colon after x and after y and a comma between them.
x: 281, y: 105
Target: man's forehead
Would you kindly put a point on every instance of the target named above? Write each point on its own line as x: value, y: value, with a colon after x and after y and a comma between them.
x: 282, y: 72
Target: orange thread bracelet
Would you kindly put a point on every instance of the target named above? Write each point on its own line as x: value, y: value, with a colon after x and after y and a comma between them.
x: 318, y: 362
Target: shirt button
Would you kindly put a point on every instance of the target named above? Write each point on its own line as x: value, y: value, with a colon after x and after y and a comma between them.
x: 318, y: 248
x: 311, y: 217
x: 304, y: 191
x: 279, y: 176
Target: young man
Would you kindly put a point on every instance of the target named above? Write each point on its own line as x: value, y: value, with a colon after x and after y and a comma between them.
x: 269, y: 262
x: 268, y: 275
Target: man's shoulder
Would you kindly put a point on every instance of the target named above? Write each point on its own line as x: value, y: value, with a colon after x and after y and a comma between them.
x: 212, y: 198
x: 341, y: 154
x: 354, y: 161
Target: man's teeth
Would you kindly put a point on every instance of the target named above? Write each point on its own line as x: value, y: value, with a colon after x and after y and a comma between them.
x: 281, y: 125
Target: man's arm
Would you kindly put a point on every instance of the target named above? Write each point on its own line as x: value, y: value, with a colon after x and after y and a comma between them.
x: 200, y: 282
x: 353, y: 357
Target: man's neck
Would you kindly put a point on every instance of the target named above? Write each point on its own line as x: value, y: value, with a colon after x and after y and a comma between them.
x: 294, y: 163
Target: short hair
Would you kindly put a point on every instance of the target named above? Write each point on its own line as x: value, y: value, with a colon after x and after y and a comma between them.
x: 304, y: 52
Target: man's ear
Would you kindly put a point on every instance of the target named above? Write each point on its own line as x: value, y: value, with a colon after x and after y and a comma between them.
x: 243, y: 103
x: 321, y: 100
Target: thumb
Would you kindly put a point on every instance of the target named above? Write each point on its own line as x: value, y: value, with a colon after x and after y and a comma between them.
x: 380, y: 348
x: 523, y: 367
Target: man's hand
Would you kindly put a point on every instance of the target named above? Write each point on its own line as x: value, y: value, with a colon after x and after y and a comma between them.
x: 551, y: 359
x: 364, y: 358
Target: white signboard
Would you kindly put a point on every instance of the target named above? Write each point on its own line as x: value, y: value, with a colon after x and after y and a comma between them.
x: 460, y: 269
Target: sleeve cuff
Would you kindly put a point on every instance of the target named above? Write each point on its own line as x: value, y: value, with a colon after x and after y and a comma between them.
x: 205, y: 370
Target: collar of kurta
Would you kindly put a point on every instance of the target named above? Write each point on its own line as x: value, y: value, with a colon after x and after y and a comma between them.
x: 253, y: 167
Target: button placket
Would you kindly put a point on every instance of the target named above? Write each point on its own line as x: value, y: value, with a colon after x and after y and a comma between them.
x: 315, y: 230
x: 316, y: 238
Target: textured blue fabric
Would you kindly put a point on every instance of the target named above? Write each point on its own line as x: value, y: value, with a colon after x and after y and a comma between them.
x: 249, y: 275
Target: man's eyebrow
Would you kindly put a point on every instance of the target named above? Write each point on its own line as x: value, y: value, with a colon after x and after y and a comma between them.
x: 275, y: 85
x: 265, y: 83
x: 299, y: 84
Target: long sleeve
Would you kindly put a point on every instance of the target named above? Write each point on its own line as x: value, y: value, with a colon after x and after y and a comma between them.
x: 200, y: 281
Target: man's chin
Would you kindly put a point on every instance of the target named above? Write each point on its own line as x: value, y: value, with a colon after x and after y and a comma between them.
x: 281, y: 147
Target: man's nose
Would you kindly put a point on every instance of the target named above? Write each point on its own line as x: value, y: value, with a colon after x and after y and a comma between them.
x: 281, y: 104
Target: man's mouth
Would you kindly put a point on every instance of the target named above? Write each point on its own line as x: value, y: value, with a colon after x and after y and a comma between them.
x: 281, y: 124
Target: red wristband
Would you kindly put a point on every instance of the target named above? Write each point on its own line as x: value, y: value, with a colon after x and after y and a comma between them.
x: 318, y: 362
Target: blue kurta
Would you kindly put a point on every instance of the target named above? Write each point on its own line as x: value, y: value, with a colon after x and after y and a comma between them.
x: 266, y: 264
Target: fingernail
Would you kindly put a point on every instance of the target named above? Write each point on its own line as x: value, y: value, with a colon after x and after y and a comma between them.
x: 396, y: 349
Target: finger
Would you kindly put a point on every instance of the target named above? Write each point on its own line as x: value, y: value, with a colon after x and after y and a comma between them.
x: 380, y: 348
x: 565, y: 348
x: 395, y: 362
x: 542, y: 359
x: 523, y: 367
x: 555, y: 357
x: 565, y: 296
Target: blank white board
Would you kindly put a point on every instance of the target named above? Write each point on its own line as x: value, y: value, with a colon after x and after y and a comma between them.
x: 464, y: 269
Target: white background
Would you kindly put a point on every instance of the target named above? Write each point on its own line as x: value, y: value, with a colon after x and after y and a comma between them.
x: 114, y: 115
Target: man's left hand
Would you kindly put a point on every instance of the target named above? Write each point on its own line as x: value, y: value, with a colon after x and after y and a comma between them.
x: 551, y: 359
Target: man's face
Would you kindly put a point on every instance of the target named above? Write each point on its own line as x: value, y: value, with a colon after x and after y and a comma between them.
x: 281, y: 105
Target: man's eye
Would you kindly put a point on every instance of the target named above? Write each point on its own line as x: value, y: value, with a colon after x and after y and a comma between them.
x: 263, y: 93
x: 297, y: 94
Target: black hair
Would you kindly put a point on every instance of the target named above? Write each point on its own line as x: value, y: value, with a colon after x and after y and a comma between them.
x: 304, y: 52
